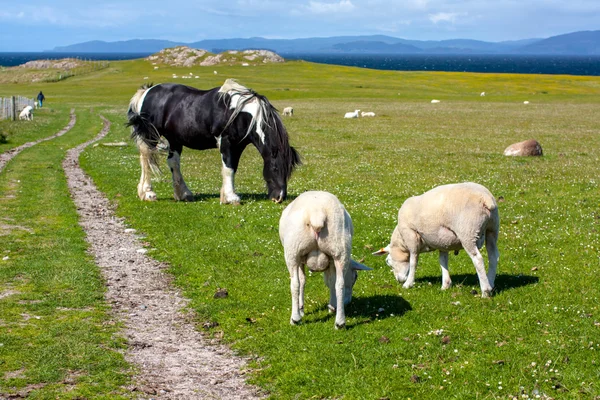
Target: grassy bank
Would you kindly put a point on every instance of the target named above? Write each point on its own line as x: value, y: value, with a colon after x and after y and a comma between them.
x: 537, y: 336
x: 57, y: 339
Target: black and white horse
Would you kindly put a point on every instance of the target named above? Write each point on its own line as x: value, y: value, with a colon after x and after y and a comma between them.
x: 229, y: 118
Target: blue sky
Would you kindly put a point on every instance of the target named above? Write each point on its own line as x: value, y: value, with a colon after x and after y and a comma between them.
x: 36, y: 25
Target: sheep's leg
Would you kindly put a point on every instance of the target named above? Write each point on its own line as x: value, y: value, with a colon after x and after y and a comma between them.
x: 329, y: 277
x: 294, y: 269
x: 446, y: 281
x: 491, y: 246
x: 476, y: 257
x: 144, y: 188
x: 180, y: 189
x: 302, y: 281
x: 340, y: 266
x: 413, y: 260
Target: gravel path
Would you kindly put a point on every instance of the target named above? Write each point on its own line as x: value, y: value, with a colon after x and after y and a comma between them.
x: 173, y: 360
x: 10, y: 154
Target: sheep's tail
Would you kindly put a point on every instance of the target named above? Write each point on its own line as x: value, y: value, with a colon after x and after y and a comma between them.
x: 492, y: 207
x: 317, y: 221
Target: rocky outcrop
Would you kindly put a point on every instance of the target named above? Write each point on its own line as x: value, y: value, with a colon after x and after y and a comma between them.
x: 183, y: 56
x: 64, y: 64
x: 526, y: 148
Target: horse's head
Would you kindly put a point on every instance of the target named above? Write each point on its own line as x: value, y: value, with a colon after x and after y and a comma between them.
x: 278, y: 166
x: 264, y: 128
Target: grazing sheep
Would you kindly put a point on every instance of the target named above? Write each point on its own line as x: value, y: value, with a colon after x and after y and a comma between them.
x: 434, y: 101
x: 316, y: 230
x: 482, y: 94
x: 446, y: 218
x: 367, y: 114
x: 526, y: 102
x: 288, y: 111
x: 26, y: 114
x: 352, y: 114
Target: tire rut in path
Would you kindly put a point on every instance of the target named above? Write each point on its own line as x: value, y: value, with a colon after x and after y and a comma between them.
x: 173, y: 359
x: 10, y: 154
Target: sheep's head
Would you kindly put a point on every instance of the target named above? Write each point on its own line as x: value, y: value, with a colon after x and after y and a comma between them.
x: 397, y: 260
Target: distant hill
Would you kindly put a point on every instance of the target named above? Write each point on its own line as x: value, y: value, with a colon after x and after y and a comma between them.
x: 127, y: 46
x: 577, y: 43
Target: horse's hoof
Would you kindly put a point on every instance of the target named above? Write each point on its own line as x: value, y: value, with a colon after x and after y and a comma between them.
x: 330, y: 308
x: 340, y: 326
x: 292, y: 322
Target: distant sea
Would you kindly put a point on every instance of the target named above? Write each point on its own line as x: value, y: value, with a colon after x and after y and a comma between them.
x: 514, y: 64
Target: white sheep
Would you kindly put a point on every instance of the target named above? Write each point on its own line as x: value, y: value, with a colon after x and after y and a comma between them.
x: 367, y: 114
x: 482, y: 94
x: 316, y: 230
x: 434, y: 101
x: 26, y: 114
x: 289, y: 111
x: 352, y: 114
x: 446, y: 218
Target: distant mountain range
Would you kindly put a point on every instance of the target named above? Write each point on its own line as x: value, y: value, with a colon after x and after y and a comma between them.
x: 576, y: 43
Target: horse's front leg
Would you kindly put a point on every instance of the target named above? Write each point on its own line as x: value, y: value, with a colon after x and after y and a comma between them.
x: 180, y: 189
x: 230, y: 159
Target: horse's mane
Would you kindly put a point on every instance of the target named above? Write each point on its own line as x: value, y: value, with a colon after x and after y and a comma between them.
x: 267, y: 116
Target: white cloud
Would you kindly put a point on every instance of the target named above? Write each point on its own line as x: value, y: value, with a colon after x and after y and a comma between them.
x: 445, y: 17
x: 326, y: 8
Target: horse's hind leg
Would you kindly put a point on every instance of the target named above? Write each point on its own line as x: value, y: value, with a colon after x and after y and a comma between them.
x: 180, y: 189
x: 145, y: 186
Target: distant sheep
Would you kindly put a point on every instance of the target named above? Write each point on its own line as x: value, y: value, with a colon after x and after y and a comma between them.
x: 289, y: 111
x: 316, y: 230
x: 434, y: 101
x: 526, y: 102
x: 367, y: 114
x: 446, y: 218
x: 352, y: 114
x: 529, y: 147
x: 26, y: 114
x: 482, y: 94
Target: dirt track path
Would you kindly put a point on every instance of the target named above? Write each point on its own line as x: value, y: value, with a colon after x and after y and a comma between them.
x: 173, y: 359
x: 10, y: 154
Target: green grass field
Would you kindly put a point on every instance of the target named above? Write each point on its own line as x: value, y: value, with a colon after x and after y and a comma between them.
x: 538, y: 336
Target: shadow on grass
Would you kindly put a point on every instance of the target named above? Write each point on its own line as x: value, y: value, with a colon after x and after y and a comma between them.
x: 366, y: 309
x: 244, y: 197
x: 503, y: 281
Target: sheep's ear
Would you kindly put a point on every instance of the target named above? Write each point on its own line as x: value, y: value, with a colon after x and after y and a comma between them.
x: 381, y: 252
x: 358, y: 266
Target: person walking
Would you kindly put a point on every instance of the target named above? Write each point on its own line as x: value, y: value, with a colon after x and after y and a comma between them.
x: 40, y: 98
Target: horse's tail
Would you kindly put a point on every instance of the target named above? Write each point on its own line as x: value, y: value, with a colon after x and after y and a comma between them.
x: 143, y: 132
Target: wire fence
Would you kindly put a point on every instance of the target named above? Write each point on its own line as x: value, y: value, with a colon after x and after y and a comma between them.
x: 11, y: 107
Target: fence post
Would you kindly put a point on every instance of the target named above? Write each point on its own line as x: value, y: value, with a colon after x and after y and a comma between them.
x: 13, y: 109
